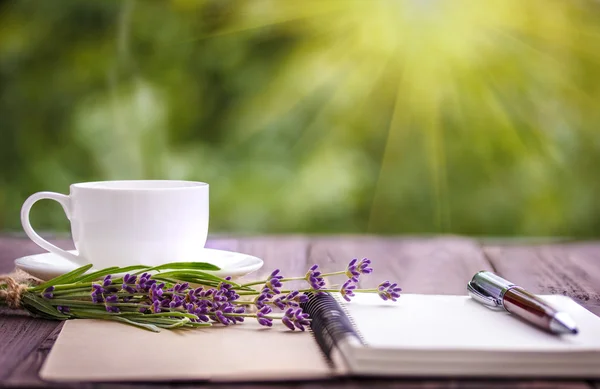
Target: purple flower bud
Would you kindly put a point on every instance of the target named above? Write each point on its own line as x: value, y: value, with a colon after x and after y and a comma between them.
x: 97, y: 298
x: 356, y: 268
x: 48, y: 292
x: 260, y: 316
x: 107, y: 281
x: 155, y: 307
x: 111, y: 300
x: 261, y: 300
x: 288, y: 323
x: 63, y: 310
x: 384, y: 285
x: 156, y: 292
x: 302, y: 298
x: 273, y: 283
x: 221, y: 318
x: 363, y: 266
x: 295, y: 318
x: 164, y: 303
x: 129, y: 279
x: 347, y: 290
x: 191, y: 297
x: 280, y: 302
x: 313, y: 276
x: 388, y: 291
x: 207, y: 293
x: 176, y: 302
x: 179, y: 288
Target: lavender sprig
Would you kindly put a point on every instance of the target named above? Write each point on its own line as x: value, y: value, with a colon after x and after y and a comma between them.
x: 185, y: 295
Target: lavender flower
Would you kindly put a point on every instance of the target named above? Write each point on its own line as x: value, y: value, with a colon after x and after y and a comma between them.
x: 176, y: 302
x: 63, y: 310
x: 144, y: 282
x: 313, y: 276
x: 295, y: 318
x: 201, y: 310
x: 293, y: 299
x: 156, y: 291
x: 48, y: 292
x: 261, y: 316
x: 389, y: 291
x: 220, y: 317
x: 111, y: 300
x: 229, y: 309
x: 356, y: 268
x: 155, y: 307
x: 107, y: 281
x: 180, y: 288
x: 261, y: 300
x: 97, y: 293
x: 129, y: 279
x: 273, y: 283
x: 347, y: 290
x: 129, y: 289
x: 220, y: 313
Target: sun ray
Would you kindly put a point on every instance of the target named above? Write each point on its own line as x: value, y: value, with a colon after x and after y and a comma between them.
x: 282, y: 14
x: 393, y: 137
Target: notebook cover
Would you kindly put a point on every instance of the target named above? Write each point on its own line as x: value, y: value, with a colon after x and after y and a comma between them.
x: 96, y: 350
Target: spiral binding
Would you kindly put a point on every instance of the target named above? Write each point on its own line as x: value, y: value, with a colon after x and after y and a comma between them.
x: 351, y: 320
x: 330, y: 322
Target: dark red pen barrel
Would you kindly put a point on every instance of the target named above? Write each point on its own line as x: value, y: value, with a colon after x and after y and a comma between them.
x: 528, y: 306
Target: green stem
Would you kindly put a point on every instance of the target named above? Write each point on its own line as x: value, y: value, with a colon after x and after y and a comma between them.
x: 294, y: 278
x: 311, y: 290
x: 252, y: 315
x: 334, y: 273
x: 75, y: 303
x: 76, y: 285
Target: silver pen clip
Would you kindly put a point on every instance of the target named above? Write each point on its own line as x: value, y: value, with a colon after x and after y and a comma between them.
x: 488, y: 301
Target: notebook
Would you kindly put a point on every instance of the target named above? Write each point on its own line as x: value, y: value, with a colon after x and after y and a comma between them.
x: 419, y: 335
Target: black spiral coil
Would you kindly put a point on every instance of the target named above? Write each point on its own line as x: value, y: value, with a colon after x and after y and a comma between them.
x: 329, y: 322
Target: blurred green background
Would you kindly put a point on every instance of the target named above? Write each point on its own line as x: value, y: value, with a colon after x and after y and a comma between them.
x: 313, y: 116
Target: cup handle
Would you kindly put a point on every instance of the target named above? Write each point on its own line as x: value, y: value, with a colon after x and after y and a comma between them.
x: 63, y: 200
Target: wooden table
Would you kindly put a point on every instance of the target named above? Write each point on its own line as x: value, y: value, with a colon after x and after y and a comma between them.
x: 432, y: 265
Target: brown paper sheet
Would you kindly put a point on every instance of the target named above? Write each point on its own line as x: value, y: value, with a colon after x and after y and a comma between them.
x: 96, y: 350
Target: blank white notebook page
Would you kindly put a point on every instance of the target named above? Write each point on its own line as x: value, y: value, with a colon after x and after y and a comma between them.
x: 460, y: 323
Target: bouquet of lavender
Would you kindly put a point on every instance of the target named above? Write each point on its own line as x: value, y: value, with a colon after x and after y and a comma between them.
x: 180, y: 294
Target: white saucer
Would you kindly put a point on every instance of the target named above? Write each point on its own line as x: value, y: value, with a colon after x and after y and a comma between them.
x: 46, y: 266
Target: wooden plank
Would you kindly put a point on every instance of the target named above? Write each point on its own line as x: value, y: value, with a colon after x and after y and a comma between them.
x: 428, y: 265
x: 19, y: 334
x: 570, y: 269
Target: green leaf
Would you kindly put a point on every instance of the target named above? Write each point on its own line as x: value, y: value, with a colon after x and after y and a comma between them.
x: 115, y: 270
x: 67, y: 278
x: 181, y: 275
x: 187, y: 266
x: 89, y: 314
x: 127, y: 269
x: 150, y: 327
x: 41, y: 305
x: 97, y: 274
x: 157, y: 315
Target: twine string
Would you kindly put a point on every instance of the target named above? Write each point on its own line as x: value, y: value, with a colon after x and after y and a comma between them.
x: 13, y: 292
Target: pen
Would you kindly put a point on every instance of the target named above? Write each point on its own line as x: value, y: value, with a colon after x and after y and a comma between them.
x: 497, y: 293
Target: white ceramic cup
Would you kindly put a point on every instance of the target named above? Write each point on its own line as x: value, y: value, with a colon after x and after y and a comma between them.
x: 122, y: 223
